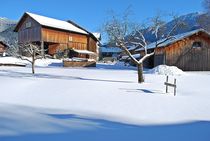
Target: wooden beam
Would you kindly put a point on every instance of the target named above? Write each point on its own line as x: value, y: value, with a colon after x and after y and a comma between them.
x: 42, y: 49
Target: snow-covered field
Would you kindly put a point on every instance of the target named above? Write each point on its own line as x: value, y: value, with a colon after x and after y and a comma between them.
x: 110, y: 93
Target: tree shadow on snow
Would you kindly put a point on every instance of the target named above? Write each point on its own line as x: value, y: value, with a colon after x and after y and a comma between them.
x: 114, y: 67
x: 143, y: 91
x: 14, y: 74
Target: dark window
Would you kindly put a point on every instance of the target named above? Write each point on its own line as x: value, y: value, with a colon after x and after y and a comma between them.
x: 197, y: 45
x: 28, y: 24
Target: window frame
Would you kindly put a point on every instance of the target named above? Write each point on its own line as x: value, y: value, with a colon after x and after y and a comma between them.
x: 28, y: 24
x: 197, y: 44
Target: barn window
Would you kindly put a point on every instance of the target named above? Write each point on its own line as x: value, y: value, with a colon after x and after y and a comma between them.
x: 28, y: 24
x: 197, y: 45
x: 70, y: 38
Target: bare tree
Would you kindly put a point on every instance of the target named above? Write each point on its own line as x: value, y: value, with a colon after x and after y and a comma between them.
x: 118, y: 29
x: 32, y: 51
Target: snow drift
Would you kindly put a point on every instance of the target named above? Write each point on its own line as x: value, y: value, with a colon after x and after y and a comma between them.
x: 166, y: 70
x: 38, y: 63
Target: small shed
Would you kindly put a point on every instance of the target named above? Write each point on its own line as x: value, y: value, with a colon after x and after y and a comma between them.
x: 188, y: 51
x: 3, y: 48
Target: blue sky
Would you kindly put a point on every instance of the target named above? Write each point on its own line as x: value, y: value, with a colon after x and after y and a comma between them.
x: 91, y: 13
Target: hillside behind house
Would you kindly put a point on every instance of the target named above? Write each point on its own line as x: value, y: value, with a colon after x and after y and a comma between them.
x: 7, y: 34
x: 191, y: 22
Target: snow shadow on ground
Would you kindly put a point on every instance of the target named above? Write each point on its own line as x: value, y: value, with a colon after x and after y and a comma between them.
x: 114, y: 67
x: 137, y: 90
x: 19, y: 123
x: 14, y: 74
x: 56, y: 65
x: 143, y: 91
x: 102, y: 130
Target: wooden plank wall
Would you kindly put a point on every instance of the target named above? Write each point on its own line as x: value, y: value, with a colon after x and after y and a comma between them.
x: 31, y: 34
x: 64, y: 39
x: 184, y: 56
x: 92, y: 45
x: 2, y: 48
x: 54, y: 36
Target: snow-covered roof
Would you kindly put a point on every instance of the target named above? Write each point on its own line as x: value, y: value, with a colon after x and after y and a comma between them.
x: 84, y: 52
x: 134, y: 55
x: 54, y: 23
x: 97, y: 35
x: 110, y: 49
x: 130, y: 48
x: 174, y: 39
x: 3, y: 42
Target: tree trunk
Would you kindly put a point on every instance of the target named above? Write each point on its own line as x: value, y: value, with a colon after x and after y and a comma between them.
x: 42, y: 49
x: 140, y: 73
x: 33, y: 65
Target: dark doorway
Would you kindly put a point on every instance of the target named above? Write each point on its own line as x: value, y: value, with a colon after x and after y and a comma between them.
x: 158, y: 60
x: 46, y: 48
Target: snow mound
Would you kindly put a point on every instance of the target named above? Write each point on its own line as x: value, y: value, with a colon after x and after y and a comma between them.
x: 38, y: 63
x: 166, y: 70
x: 48, y: 62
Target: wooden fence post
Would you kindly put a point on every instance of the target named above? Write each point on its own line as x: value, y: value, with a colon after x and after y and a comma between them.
x: 171, y: 85
x: 166, y: 85
x: 175, y: 87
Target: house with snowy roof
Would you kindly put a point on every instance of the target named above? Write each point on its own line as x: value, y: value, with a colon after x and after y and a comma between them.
x: 108, y: 52
x: 3, y: 48
x: 56, y: 35
x: 189, y: 51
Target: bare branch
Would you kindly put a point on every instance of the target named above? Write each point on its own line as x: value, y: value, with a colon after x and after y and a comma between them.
x: 24, y: 58
x: 122, y: 45
x: 145, y: 57
x: 32, y: 51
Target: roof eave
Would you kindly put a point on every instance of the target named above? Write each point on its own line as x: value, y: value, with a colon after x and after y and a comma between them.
x: 91, y: 34
x: 49, y: 27
x: 20, y: 21
x: 3, y: 43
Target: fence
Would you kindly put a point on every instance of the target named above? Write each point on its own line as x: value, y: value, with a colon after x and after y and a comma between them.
x: 170, y: 85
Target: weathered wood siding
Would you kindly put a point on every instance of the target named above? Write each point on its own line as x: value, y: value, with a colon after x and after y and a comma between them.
x: 64, y: 40
x: 184, y: 56
x: 54, y: 36
x: 29, y: 34
x: 2, y: 48
x: 92, y: 45
x: 78, y: 41
x: 79, y: 64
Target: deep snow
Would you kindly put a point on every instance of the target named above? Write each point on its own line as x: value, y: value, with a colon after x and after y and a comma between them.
x: 166, y: 70
x: 107, y: 92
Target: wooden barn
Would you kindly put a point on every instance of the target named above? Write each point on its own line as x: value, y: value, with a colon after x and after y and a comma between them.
x: 3, y: 48
x: 55, y: 36
x: 188, y: 51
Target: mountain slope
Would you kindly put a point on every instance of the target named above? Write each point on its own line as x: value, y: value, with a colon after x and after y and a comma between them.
x: 191, y: 22
x: 6, y: 23
x: 7, y: 34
